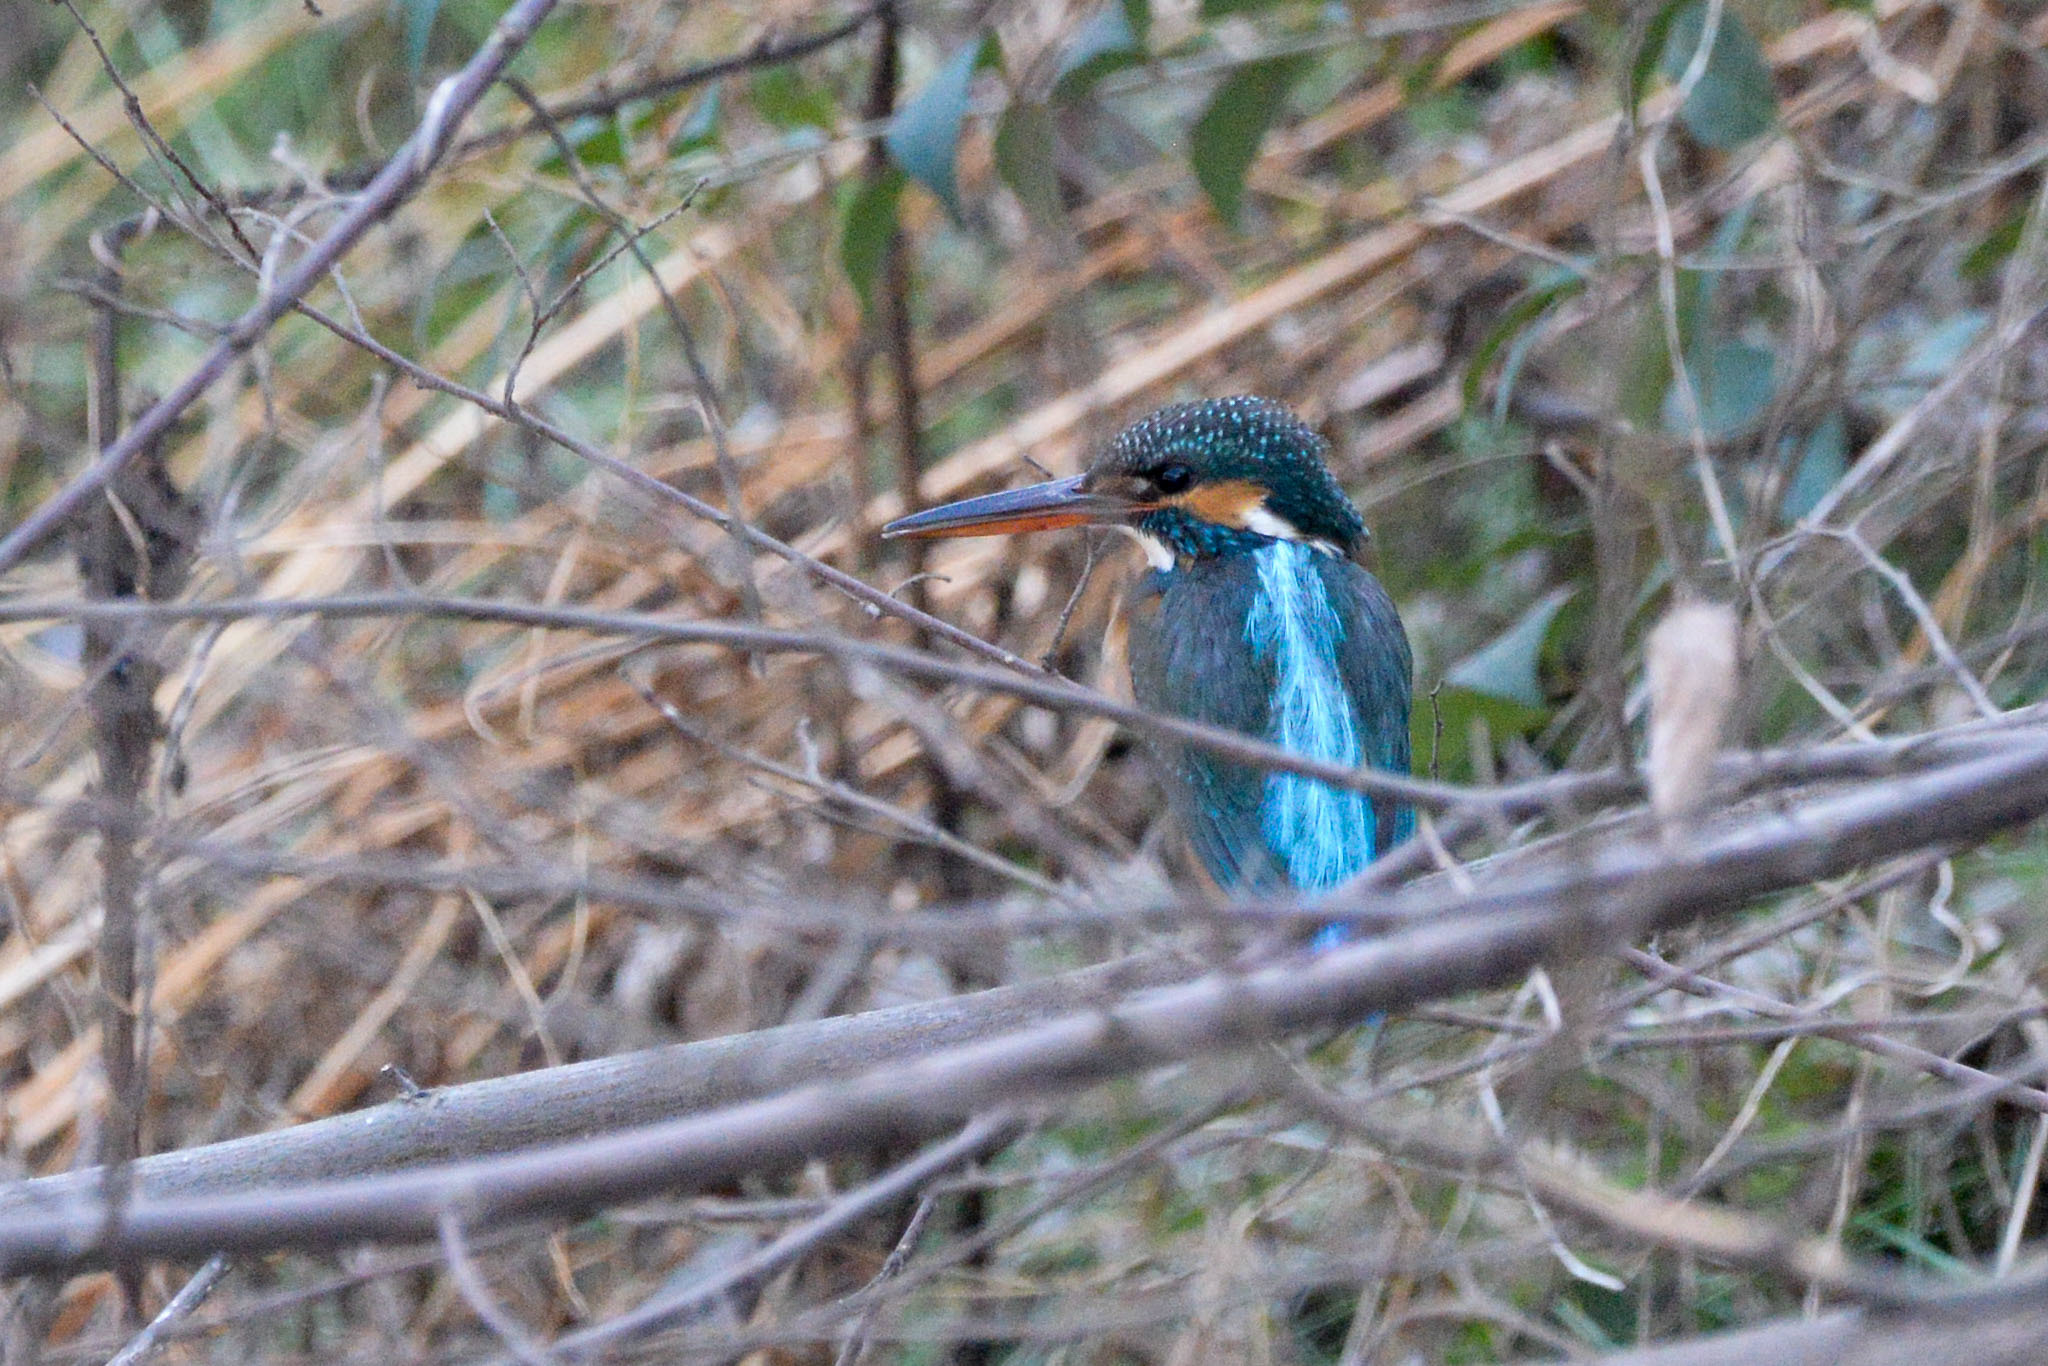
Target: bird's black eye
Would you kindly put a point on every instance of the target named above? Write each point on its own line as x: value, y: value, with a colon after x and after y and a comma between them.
x: 1173, y: 478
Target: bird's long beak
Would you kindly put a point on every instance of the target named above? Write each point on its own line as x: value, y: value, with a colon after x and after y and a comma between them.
x: 1038, y: 507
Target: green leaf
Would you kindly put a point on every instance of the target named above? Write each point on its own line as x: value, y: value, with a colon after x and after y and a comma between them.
x: 1651, y: 54
x: 1733, y: 382
x: 1645, y: 369
x: 1218, y: 9
x: 1583, y: 1325
x: 1025, y: 141
x: 1937, y: 350
x: 1733, y: 101
x: 1532, y: 304
x: 597, y: 140
x: 866, y: 229
x: 606, y: 146
x: 1114, y: 38
x: 1226, y: 138
x: 1507, y: 666
x: 786, y: 100
x: 1913, y: 1246
x: 925, y: 134
x: 1698, y: 289
x: 1449, y: 754
x: 1821, y: 466
x: 700, y: 129
x: 419, y: 28
x: 1998, y: 245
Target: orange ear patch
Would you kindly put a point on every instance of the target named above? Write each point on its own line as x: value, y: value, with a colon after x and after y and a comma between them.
x: 1228, y: 502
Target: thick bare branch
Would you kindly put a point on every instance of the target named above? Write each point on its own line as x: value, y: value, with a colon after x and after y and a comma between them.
x: 1447, y: 941
x: 2002, y: 1325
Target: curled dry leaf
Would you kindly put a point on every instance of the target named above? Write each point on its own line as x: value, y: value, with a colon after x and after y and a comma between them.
x: 1691, y: 662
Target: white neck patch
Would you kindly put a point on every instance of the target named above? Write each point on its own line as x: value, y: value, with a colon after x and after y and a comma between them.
x: 1158, y: 553
x: 1266, y: 522
x: 1262, y: 519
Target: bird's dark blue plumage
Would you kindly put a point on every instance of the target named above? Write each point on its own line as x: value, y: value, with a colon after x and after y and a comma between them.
x: 1297, y: 647
x: 1255, y: 617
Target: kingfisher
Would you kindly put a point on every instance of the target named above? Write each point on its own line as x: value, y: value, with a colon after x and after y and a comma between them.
x: 1257, y: 616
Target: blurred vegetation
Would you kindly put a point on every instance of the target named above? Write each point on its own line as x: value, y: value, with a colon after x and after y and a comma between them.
x: 1595, y: 316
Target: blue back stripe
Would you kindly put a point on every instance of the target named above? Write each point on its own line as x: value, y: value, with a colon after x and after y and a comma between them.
x: 1319, y: 834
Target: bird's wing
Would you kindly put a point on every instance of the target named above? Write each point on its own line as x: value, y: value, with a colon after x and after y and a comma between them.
x: 1377, y: 664
x: 1206, y: 673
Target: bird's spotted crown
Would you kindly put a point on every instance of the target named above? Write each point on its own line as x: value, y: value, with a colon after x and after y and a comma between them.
x: 1248, y: 471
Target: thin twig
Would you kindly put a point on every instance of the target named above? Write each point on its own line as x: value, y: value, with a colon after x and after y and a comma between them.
x: 856, y: 1345
x: 669, y: 1308
x: 1937, y: 639
x: 400, y: 178
x: 906, y: 822
x: 469, y: 1280
x: 190, y: 1296
x: 705, y: 391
